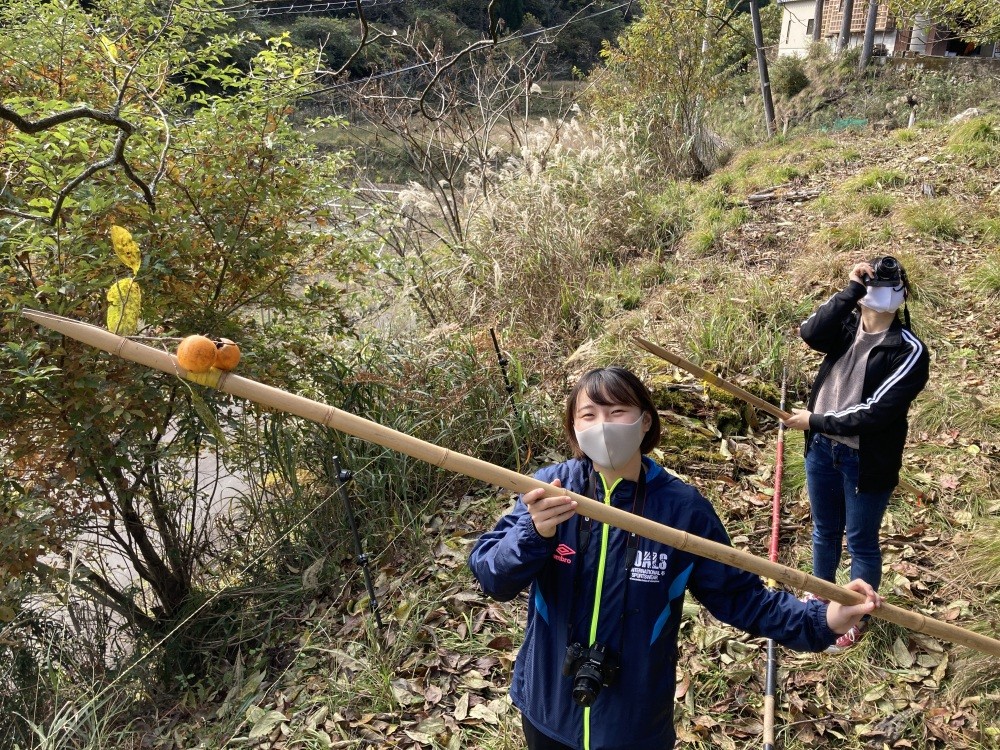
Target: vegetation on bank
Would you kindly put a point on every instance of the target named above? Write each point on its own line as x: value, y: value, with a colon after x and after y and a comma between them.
x: 450, y: 25
x: 565, y: 242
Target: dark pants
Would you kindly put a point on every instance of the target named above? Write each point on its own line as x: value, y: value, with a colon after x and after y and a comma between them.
x: 538, y: 741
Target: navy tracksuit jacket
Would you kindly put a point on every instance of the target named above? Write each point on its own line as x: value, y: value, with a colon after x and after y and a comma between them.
x: 636, y: 712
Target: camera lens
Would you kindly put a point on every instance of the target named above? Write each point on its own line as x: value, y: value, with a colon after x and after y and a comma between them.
x: 886, y: 268
x: 587, y: 684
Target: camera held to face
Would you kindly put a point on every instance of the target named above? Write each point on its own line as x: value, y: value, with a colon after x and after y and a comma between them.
x: 887, y: 270
x: 591, y: 669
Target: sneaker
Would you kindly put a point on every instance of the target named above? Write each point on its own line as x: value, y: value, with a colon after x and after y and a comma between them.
x: 848, y: 639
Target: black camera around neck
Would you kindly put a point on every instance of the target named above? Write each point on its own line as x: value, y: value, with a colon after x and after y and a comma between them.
x: 591, y: 670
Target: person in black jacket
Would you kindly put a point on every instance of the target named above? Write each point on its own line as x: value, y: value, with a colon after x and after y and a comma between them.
x: 596, y: 670
x: 855, y: 423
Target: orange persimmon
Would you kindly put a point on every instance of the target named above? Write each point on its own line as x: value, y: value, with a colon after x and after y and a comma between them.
x: 196, y: 353
x: 227, y: 354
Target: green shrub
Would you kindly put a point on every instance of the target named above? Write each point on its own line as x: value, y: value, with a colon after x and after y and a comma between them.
x: 659, y: 83
x: 847, y: 61
x: 875, y: 179
x: 985, y: 278
x: 666, y: 216
x: 828, y: 206
x: 937, y: 217
x: 877, y: 204
x: 849, y: 237
x: 778, y: 174
x: 702, y: 241
x: 788, y: 76
x: 748, y: 327
x: 850, y: 155
x: 978, y: 141
x: 558, y: 228
x: 989, y: 229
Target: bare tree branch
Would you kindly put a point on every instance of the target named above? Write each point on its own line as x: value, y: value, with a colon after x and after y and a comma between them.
x: 363, y: 42
x: 111, y: 118
x: 97, y: 587
x: 76, y: 113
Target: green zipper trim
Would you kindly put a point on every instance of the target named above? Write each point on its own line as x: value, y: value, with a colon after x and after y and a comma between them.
x: 595, y: 615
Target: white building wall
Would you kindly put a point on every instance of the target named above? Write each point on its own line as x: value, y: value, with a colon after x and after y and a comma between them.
x: 885, y: 38
x: 795, y: 17
x: 796, y: 35
x: 920, y: 39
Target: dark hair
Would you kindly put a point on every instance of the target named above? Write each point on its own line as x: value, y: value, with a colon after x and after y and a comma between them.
x: 607, y: 386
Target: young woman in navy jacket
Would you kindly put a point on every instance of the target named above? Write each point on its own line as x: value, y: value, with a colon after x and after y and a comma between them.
x: 596, y: 670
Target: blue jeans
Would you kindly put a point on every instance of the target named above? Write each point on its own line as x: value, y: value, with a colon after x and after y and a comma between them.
x: 837, y: 506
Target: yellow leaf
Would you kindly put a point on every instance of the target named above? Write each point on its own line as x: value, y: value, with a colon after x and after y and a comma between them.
x: 125, y: 247
x: 125, y: 305
x: 109, y: 48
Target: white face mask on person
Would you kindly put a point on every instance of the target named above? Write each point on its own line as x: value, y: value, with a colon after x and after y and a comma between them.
x: 610, y: 445
x: 883, y: 298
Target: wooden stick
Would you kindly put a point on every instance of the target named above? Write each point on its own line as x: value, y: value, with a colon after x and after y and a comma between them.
x: 711, y: 377
x: 776, y: 194
x: 735, y: 390
x: 351, y: 424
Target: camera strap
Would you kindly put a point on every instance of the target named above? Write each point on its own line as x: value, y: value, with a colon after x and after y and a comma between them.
x: 585, y: 527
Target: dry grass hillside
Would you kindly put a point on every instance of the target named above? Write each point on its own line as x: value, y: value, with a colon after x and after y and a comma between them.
x: 930, y: 197
x: 728, y: 296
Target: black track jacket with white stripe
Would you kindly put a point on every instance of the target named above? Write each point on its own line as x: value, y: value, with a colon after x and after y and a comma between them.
x: 896, y: 372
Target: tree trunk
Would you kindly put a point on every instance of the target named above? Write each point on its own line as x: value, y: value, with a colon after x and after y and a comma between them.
x: 818, y: 21
x: 845, y: 26
x: 708, y: 27
x: 869, y: 42
x: 765, y: 81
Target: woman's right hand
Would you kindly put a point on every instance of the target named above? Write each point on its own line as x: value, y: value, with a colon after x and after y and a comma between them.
x: 861, y: 271
x: 548, y: 512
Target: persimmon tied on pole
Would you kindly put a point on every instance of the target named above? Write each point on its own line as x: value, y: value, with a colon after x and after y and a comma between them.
x: 373, y: 432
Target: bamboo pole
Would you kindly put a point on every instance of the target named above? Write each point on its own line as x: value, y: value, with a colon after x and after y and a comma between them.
x: 735, y: 390
x: 460, y: 463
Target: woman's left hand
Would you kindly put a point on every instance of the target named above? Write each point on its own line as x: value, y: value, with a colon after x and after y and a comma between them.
x: 799, y: 419
x: 842, y: 617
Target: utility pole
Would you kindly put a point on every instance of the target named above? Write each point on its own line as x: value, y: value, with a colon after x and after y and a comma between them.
x: 765, y: 80
x: 869, y: 41
x: 818, y: 21
x: 845, y: 26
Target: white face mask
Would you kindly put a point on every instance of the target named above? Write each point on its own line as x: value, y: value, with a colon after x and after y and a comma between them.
x: 610, y: 445
x: 883, y: 298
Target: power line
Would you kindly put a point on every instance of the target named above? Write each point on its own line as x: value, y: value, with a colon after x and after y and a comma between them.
x: 250, y: 10
x: 450, y: 60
